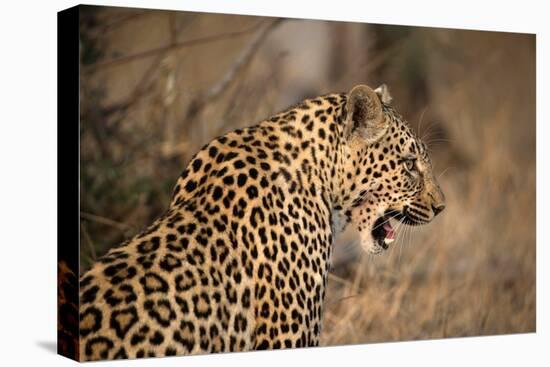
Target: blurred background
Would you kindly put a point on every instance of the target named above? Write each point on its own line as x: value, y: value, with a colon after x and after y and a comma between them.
x: 157, y: 85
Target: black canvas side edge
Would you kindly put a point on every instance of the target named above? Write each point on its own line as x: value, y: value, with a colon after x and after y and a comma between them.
x: 68, y: 131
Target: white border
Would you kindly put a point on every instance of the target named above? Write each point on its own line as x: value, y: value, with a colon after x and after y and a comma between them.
x: 28, y: 180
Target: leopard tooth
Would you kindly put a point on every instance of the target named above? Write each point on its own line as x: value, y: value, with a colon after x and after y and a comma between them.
x: 387, y: 241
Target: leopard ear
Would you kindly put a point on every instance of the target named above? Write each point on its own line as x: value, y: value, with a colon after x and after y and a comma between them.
x: 384, y: 94
x: 364, y: 114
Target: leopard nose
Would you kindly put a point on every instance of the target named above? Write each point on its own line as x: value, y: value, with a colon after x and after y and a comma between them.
x: 438, y: 209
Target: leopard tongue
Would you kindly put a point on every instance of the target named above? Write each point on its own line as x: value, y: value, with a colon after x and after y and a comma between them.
x: 390, y: 234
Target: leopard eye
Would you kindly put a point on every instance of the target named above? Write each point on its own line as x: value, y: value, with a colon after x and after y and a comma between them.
x: 410, y: 164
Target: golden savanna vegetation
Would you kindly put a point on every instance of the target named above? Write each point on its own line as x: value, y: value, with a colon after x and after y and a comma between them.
x: 157, y: 85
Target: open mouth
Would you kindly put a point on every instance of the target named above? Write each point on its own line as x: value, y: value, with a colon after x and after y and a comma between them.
x: 383, y: 232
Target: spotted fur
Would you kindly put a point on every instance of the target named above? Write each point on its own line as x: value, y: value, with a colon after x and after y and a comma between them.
x: 240, y: 259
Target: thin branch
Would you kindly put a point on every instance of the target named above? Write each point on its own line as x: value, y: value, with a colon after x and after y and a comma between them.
x: 138, y: 92
x: 339, y: 279
x: 170, y: 47
x: 244, y: 58
x: 333, y: 303
x: 247, y: 54
x: 100, y: 30
x: 106, y: 221
x: 373, y: 63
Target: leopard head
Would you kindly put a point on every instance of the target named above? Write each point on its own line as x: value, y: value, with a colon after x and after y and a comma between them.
x: 391, y: 171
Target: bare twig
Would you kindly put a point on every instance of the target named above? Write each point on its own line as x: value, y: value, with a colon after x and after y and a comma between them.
x: 339, y: 279
x: 374, y: 62
x: 234, y: 111
x: 138, y: 92
x: 240, y: 63
x: 106, y: 221
x: 109, y: 26
x: 143, y: 85
x: 333, y: 303
x: 170, y: 47
x: 244, y: 58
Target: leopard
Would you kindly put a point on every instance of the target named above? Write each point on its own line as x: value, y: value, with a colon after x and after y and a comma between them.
x: 240, y: 259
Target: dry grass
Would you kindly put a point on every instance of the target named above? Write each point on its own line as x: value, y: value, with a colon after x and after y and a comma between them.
x: 470, y: 94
